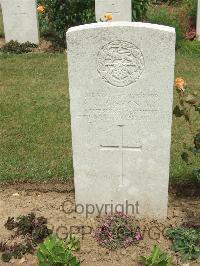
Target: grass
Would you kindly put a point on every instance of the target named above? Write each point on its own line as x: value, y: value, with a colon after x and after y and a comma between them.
x: 35, y: 141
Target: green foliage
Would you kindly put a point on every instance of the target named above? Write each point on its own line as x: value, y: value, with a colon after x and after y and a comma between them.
x: 186, y: 241
x: 164, y: 15
x: 61, y: 15
x: 188, y: 102
x: 73, y: 243
x: 196, y: 176
x: 44, y: 25
x: 139, y: 9
x: 191, y: 7
x: 55, y: 252
x: 18, y: 48
x: 157, y: 258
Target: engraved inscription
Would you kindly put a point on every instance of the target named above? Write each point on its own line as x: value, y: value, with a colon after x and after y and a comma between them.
x: 120, y: 63
x: 121, y: 107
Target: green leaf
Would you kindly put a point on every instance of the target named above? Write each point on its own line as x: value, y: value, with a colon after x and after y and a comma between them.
x: 55, y: 252
x: 156, y: 258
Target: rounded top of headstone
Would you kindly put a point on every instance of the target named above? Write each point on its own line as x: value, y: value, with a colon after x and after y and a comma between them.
x: 122, y: 24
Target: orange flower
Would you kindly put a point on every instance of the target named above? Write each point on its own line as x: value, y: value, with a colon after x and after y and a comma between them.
x: 40, y: 9
x: 180, y: 83
x: 108, y: 16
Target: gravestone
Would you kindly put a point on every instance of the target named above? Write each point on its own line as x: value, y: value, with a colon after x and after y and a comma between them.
x: 121, y: 92
x: 20, y: 20
x: 198, y: 21
x: 120, y: 9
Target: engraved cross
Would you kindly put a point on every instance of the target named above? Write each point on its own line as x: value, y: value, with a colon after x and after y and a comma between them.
x: 122, y: 148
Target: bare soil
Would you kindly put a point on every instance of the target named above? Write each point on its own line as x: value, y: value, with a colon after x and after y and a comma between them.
x: 54, y: 201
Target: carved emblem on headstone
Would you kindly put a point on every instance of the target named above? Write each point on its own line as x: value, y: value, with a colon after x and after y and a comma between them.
x: 120, y: 63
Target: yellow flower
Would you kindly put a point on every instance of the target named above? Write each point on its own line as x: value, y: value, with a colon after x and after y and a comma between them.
x: 180, y: 83
x: 40, y: 9
x: 108, y: 16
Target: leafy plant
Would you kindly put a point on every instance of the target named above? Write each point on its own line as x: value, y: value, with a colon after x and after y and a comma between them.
x: 118, y: 230
x: 73, y: 243
x: 188, y: 102
x: 18, y: 48
x: 15, y: 251
x: 191, y: 6
x: 34, y: 230
x: 25, y: 225
x: 157, y: 258
x: 139, y: 9
x: 196, y: 176
x: 55, y: 252
x: 61, y: 15
x: 186, y: 241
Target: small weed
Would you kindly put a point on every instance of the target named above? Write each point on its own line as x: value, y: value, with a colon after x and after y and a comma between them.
x: 186, y: 240
x: 55, y: 252
x: 157, y: 258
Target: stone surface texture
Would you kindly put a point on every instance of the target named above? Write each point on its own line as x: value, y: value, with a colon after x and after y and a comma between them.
x: 20, y: 20
x: 120, y: 9
x: 121, y: 92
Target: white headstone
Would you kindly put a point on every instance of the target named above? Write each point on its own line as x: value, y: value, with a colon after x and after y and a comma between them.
x: 120, y: 9
x: 198, y: 20
x: 121, y: 92
x: 20, y: 20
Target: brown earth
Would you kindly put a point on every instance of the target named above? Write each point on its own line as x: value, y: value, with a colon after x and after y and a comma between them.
x: 43, y: 47
x: 52, y: 200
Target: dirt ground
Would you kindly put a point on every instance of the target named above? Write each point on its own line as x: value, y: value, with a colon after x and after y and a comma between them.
x: 43, y: 47
x: 55, y: 200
